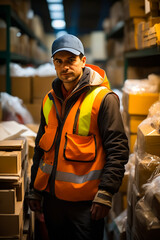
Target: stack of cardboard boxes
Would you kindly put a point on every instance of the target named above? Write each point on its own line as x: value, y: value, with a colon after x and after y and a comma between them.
x: 142, y: 193
x: 21, y: 43
x: 12, y: 187
x: 142, y: 24
x: 16, y: 220
x: 135, y: 109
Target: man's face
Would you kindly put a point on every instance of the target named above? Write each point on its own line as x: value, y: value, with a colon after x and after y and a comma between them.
x: 68, y: 66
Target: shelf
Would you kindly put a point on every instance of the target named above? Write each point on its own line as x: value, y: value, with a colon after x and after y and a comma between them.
x: 116, y: 31
x: 15, y: 20
x: 19, y: 58
x: 147, y: 57
x: 146, y: 52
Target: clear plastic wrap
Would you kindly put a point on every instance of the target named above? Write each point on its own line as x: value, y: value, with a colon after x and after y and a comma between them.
x: 147, y: 225
x: 130, y: 167
x: 145, y: 168
x: 152, y: 192
x: 13, y: 109
x: 154, y: 115
x: 135, y: 86
x: 154, y: 109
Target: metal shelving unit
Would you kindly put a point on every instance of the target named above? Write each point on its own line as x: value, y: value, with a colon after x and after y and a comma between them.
x: 12, y: 19
x: 143, y: 57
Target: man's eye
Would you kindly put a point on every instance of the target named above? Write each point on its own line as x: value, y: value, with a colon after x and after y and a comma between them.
x: 57, y: 61
x: 71, y: 60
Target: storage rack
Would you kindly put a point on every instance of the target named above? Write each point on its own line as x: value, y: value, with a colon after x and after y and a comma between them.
x: 11, y: 19
x: 147, y: 57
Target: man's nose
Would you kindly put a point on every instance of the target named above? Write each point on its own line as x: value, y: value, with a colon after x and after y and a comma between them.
x: 65, y: 65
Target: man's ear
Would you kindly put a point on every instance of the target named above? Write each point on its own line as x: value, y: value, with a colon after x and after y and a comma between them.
x: 83, y: 61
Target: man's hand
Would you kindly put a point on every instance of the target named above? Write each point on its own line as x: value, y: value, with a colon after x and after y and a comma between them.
x: 35, y: 205
x: 99, y: 211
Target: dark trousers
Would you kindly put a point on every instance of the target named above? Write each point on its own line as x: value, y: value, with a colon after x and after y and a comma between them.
x: 71, y: 220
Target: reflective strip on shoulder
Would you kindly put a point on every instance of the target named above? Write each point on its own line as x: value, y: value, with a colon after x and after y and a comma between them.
x: 86, y: 109
x: 47, y: 108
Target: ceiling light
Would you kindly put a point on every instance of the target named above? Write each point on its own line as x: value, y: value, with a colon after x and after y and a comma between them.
x: 54, y: 1
x: 58, y: 24
x: 55, y: 7
x: 57, y: 15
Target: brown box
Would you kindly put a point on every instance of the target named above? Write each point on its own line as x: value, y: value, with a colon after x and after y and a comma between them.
x: 132, y: 121
x: 7, y: 201
x: 133, y: 8
x: 14, y: 40
x: 15, y: 145
x: 10, y: 162
x: 12, y: 224
x: 148, y: 139
x: 22, y: 88
x: 13, y: 182
x: 35, y: 110
x: 42, y: 85
x: 142, y: 101
x: 144, y: 168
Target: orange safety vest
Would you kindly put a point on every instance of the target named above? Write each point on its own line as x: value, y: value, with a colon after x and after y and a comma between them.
x: 78, y: 155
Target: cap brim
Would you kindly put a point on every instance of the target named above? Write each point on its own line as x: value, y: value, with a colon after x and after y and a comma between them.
x: 75, y: 52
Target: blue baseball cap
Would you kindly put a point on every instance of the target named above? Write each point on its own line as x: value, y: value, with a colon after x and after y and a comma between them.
x: 68, y: 43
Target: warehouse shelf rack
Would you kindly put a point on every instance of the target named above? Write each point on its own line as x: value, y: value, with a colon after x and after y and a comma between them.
x: 143, y: 57
x: 12, y: 19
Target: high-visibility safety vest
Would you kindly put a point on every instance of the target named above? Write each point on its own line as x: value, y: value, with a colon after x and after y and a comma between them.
x: 74, y: 149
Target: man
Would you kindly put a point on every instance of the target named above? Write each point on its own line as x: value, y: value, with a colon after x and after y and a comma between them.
x: 81, y: 147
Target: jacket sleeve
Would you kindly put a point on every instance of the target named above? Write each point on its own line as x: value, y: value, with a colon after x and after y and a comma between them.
x: 38, y: 153
x: 115, y: 144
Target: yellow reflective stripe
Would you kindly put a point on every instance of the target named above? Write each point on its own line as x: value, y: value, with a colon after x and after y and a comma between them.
x: 47, y: 108
x: 86, y: 109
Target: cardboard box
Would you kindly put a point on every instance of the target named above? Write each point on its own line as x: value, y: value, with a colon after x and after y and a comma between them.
x: 7, y: 201
x: 133, y: 8
x: 146, y: 226
x: 138, y: 104
x: 144, y: 168
x: 22, y: 87
x: 14, y: 40
x: 10, y: 162
x: 35, y: 111
x: 15, y: 145
x: 132, y: 121
x: 148, y: 139
x: 12, y: 224
x: 42, y: 85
